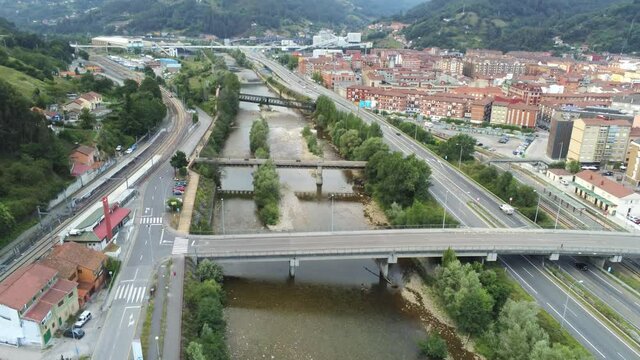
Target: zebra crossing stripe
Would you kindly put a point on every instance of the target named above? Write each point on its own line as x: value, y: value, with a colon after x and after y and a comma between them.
x: 180, y: 246
x: 151, y: 220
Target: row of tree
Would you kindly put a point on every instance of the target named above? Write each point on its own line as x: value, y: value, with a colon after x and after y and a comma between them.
x: 479, y: 302
x: 203, y: 325
x: 400, y: 184
x: 259, y: 139
x: 312, y: 141
x: 266, y: 187
x: 288, y: 60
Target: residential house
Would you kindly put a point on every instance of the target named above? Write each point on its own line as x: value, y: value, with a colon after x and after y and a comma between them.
x: 81, y: 264
x: 599, y: 140
x: 606, y: 194
x: 84, y: 158
x: 34, y: 304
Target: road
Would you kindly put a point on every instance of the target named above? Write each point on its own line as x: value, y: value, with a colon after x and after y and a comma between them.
x: 150, y: 240
x: 411, y: 243
x: 446, y: 181
x: 588, y: 330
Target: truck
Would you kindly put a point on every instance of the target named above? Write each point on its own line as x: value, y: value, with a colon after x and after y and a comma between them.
x: 507, y: 209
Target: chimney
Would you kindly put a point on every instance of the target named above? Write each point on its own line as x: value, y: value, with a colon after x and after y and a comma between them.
x: 107, y: 217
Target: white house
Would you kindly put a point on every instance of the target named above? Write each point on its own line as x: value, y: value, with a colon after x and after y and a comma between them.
x: 608, y: 195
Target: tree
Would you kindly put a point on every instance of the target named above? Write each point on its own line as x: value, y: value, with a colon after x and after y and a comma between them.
x: 194, y: 118
x: 434, y: 347
x: 448, y: 257
x: 87, y: 119
x: 150, y: 85
x: 258, y: 136
x: 195, y: 351
x: 347, y: 143
x: 266, y: 185
x: 517, y: 331
x: 458, y: 147
x: 179, y: 161
x: 369, y: 147
x: 573, y: 166
x: 209, y: 270
x: 474, y: 305
x: 7, y: 220
x: 317, y: 77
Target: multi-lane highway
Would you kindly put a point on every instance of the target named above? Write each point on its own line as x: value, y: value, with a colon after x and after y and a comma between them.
x: 455, y: 191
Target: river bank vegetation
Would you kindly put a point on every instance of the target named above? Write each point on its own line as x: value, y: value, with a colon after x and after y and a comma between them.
x: 501, y: 318
x: 259, y: 139
x: 203, y: 325
x: 266, y: 187
x: 398, y: 183
x: 312, y: 141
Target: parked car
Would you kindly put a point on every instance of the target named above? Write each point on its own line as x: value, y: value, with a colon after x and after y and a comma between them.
x: 633, y: 219
x: 608, y: 173
x: 564, y: 182
x: 179, y: 188
x: 73, y: 333
x: 82, y: 319
x: 581, y: 266
x: 178, y: 192
x: 119, y: 148
x: 181, y: 183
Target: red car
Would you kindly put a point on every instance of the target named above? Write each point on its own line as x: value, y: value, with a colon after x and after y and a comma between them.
x: 181, y: 188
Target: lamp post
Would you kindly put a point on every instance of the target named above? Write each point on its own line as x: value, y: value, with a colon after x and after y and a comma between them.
x: 444, y: 209
x: 535, y: 219
x: 222, y: 211
x: 566, y: 302
x: 331, y: 212
x: 158, y: 347
x: 555, y: 227
x: 460, y: 158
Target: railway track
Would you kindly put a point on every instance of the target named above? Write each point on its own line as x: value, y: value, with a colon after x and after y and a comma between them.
x: 168, y: 142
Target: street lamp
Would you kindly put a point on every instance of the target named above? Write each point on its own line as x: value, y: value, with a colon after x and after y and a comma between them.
x: 555, y: 227
x: 566, y: 302
x: 331, y: 212
x: 158, y: 347
x: 535, y: 219
x: 460, y: 158
x: 222, y: 211
x: 444, y: 209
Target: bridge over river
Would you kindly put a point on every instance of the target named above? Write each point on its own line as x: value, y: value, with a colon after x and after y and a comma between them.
x: 389, y: 245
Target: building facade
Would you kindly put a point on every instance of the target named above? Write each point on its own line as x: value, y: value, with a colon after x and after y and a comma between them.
x: 559, y: 138
x: 598, y: 140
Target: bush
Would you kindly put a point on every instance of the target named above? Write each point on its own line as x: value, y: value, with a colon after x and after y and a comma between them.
x: 434, y: 347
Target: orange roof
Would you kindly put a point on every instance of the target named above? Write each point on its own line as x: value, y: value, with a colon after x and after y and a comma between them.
x: 597, y: 122
x: 56, y: 293
x: 74, y: 254
x: 604, y: 184
x: 24, y: 284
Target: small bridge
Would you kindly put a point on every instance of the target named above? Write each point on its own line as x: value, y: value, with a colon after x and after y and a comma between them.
x: 267, y: 100
x: 518, y: 160
x: 319, y: 165
x: 281, y: 163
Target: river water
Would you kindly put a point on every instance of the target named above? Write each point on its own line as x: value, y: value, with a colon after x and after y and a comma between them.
x: 333, y: 309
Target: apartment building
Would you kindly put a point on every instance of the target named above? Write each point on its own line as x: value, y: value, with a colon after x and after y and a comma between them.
x: 34, y: 304
x: 598, y: 140
x: 633, y: 166
x: 559, y: 138
x: 489, y: 66
x: 528, y: 93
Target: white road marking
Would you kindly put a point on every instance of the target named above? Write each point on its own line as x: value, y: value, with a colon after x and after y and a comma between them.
x: 150, y: 220
x: 528, y: 272
x: 180, y: 246
x: 605, y: 281
x: 578, y: 332
x: 519, y: 277
x: 620, y: 355
x: 161, y: 235
x: 141, y: 257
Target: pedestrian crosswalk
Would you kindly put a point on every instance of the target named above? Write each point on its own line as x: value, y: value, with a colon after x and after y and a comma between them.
x: 130, y: 293
x: 151, y: 220
x: 180, y: 246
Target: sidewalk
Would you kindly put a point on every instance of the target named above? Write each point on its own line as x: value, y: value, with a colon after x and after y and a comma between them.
x: 187, y: 202
x: 164, y: 276
x: 173, y: 331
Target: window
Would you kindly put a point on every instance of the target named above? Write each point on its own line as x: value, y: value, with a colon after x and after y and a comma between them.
x: 61, y: 302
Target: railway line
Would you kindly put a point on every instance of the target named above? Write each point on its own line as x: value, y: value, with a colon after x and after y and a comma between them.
x: 168, y: 141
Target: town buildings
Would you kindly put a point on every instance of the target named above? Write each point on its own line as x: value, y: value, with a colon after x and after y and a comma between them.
x: 612, y: 198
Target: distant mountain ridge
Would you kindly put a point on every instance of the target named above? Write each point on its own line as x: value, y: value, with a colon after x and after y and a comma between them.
x: 524, y: 24
x: 223, y: 18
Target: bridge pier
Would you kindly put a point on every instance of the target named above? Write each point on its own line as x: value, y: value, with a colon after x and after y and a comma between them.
x: 319, y: 176
x: 554, y: 256
x: 293, y: 264
x: 383, y: 265
x: 492, y: 256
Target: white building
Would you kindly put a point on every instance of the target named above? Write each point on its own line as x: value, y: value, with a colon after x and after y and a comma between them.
x: 606, y: 194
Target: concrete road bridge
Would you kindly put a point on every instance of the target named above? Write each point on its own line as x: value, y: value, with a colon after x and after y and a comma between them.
x: 319, y: 165
x: 273, y: 101
x: 387, y: 246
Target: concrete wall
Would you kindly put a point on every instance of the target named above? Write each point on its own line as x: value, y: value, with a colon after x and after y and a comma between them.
x: 10, y: 329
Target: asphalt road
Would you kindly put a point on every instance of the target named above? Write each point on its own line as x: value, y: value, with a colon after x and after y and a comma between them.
x: 588, y: 330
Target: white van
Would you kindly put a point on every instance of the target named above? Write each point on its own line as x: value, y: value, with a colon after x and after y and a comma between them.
x: 507, y: 209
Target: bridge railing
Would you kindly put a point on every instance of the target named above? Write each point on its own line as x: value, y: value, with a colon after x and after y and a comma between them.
x: 461, y: 250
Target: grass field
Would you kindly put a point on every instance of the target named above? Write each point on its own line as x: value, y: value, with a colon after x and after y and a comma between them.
x: 24, y: 83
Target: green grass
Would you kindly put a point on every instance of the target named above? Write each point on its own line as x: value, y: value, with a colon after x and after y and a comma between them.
x: 25, y: 84
x: 146, y: 327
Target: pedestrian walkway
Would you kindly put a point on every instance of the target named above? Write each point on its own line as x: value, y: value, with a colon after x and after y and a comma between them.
x: 130, y: 293
x: 188, y: 202
x: 180, y: 246
x: 171, y: 346
x: 151, y: 220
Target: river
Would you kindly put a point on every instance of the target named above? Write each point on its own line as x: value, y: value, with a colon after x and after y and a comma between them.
x: 333, y: 309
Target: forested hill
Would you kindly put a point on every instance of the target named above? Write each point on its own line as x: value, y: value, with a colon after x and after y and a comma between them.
x: 224, y: 18
x: 523, y: 25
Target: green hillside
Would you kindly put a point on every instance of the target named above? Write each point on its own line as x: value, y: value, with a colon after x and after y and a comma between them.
x: 522, y: 25
x: 25, y: 84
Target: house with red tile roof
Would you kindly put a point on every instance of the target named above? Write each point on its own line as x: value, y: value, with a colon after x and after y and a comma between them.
x: 78, y: 263
x: 34, y: 304
x: 613, y: 198
x: 92, y: 232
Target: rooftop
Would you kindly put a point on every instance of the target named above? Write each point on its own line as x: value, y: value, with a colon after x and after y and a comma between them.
x: 24, y: 284
x: 117, y: 215
x: 604, y: 183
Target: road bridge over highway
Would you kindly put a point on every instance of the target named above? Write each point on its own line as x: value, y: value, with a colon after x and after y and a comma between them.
x: 273, y: 101
x: 389, y: 245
